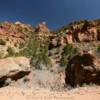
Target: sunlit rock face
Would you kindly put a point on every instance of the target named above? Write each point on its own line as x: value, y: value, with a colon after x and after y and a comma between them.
x: 13, y: 68
x: 81, y: 31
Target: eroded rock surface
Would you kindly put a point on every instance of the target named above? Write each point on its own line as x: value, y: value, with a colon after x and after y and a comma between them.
x: 83, y: 68
x: 13, y: 68
x: 81, y: 31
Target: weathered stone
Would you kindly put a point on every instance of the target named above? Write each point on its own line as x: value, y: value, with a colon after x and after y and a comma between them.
x: 83, y: 68
x: 14, y: 68
x: 85, y: 31
x: 42, y: 28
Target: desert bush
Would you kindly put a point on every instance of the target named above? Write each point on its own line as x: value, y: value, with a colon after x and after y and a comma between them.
x: 68, y: 52
x: 38, y: 51
x: 10, y: 51
x: 40, y: 55
x: 2, y: 42
x: 2, y: 55
x: 98, y: 48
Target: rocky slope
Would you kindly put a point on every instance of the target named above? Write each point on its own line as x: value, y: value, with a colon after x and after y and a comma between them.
x: 51, y: 52
x: 81, y: 31
x: 12, y: 37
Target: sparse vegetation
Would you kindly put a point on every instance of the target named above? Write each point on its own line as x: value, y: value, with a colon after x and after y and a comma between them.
x: 98, y: 48
x: 2, y: 42
x: 68, y: 52
x: 52, y: 49
x: 37, y: 50
x: 10, y: 51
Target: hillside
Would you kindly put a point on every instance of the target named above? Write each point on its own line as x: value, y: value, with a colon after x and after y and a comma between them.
x: 34, y: 57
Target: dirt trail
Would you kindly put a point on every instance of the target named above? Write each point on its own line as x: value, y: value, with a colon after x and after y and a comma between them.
x: 84, y: 93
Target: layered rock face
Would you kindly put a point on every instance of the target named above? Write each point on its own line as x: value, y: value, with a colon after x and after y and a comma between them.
x: 12, y: 32
x: 83, y: 31
x: 83, y: 68
x: 13, y: 37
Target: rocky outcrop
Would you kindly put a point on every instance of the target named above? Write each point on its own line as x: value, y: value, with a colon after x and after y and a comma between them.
x: 11, y: 30
x: 83, y: 68
x: 13, y: 37
x: 42, y: 31
x: 42, y: 28
x: 13, y: 68
x: 82, y: 31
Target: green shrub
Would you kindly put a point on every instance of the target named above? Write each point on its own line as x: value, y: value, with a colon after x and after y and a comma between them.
x: 41, y: 58
x: 2, y: 42
x: 98, y: 48
x: 10, y: 51
x: 38, y: 51
x: 40, y: 54
x: 68, y: 52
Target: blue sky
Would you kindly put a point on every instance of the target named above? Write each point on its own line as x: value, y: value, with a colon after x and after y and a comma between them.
x: 55, y: 13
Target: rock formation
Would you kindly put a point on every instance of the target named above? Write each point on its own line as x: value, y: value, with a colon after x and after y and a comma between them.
x: 42, y: 28
x: 82, y: 31
x: 42, y: 31
x: 83, y: 68
x: 12, y: 31
x: 13, y: 68
x: 21, y: 38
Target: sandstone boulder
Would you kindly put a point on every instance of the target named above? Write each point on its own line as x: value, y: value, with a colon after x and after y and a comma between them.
x: 13, y: 68
x: 83, y: 68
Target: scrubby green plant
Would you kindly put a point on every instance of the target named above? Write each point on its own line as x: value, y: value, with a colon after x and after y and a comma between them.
x: 1, y: 23
x: 21, y: 45
x: 31, y: 47
x: 98, y: 27
x: 68, y: 52
x: 98, y: 48
x: 10, y: 51
x: 41, y: 58
x: 2, y: 42
x: 40, y: 54
x: 2, y: 55
x: 37, y: 50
